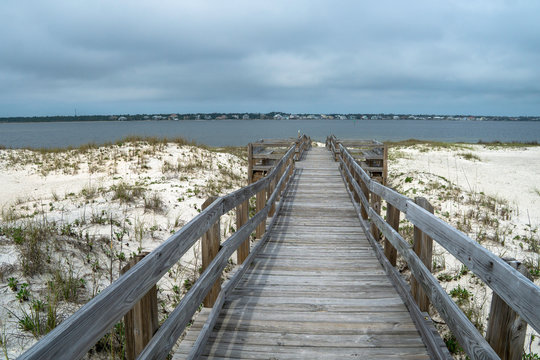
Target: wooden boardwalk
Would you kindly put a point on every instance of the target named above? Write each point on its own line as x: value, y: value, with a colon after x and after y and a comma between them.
x: 316, y: 290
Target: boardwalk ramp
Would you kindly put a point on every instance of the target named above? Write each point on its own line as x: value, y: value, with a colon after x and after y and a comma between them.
x: 316, y: 289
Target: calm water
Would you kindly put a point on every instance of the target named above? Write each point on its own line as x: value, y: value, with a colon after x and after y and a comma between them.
x: 241, y: 132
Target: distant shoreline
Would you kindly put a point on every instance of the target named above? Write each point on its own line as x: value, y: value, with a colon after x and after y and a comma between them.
x: 99, y: 118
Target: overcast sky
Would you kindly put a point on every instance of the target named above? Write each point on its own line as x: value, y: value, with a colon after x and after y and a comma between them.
x: 112, y: 57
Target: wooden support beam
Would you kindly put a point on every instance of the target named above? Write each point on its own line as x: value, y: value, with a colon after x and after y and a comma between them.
x: 506, y: 330
x: 375, y: 202
x: 392, y: 218
x: 250, y: 163
x: 210, y: 249
x: 423, y: 247
x: 141, y: 322
x: 351, y: 179
x: 269, y: 191
x: 242, y: 218
x: 385, y: 165
x: 259, y: 204
x: 365, y: 190
x: 356, y: 178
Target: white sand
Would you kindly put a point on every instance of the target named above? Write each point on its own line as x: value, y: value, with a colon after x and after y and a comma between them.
x: 511, y: 176
x: 181, y: 177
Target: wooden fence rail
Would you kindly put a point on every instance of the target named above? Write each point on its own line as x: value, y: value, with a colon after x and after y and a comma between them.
x: 78, y: 333
x: 520, y: 293
x: 263, y: 154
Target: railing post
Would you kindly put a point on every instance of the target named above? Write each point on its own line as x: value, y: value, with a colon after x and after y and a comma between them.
x: 506, y: 330
x: 423, y: 247
x: 141, y: 322
x: 349, y: 165
x: 365, y: 190
x: 385, y: 164
x: 259, y: 203
x: 392, y: 218
x: 271, y: 188
x: 242, y: 218
x: 250, y: 163
x: 210, y: 248
x: 356, y: 178
x: 375, y: 202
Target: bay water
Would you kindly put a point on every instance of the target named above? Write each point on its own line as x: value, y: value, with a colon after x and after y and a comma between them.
x: 241, y: 132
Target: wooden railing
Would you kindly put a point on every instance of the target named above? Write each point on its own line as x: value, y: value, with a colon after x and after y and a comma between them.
x: 263, y: 154
x: 371, y: 155
x: 77, y: 334
x: 513, y: 287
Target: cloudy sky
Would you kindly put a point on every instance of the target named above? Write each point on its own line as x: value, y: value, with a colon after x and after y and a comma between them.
x: 130, y: 56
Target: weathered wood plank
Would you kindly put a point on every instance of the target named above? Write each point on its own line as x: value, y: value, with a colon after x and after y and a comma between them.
x: 209, y: 248
x: 506, y: 331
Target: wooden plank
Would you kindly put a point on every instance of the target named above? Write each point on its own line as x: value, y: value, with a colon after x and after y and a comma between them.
x: 506, y: 331
x: 269, y: 339
x: 262, y: 167
x: 259, y: 205
x: 423, y: 247
x: 273, y: 155
x: 210, y: 244
x: 392, y: 218
x: 141, y: 322
x: 286, y: 352
x: 391, y: 196
x: 241, y: 219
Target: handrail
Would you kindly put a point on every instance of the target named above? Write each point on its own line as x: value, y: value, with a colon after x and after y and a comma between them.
x: 172, y: 328
x: 515, y: 289
x: 77, y: 334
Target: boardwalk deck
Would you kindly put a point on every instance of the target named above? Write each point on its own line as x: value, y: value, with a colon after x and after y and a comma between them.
x: 316, y: 290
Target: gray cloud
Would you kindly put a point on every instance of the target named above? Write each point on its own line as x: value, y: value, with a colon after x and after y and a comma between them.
x: 310, y: 56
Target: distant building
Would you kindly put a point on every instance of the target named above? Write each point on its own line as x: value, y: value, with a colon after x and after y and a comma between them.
x: 173, y: 117
x: 245, y: 117
x: 122, y: 118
